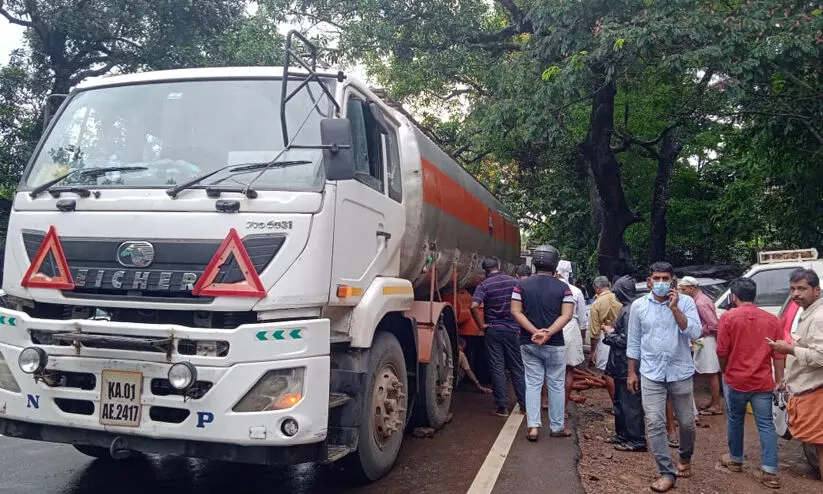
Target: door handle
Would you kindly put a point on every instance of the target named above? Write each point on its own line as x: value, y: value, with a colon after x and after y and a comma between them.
x: 383, y: 234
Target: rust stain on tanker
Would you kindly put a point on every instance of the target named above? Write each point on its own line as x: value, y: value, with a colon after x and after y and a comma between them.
x: 447, y: 195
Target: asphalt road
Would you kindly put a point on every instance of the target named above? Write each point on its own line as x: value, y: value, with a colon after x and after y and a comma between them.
x: 447, y: 463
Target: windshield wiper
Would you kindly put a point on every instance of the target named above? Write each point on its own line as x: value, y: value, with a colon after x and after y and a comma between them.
x: 247, y: 167
x: 82, y: 172
x: 233, y: 170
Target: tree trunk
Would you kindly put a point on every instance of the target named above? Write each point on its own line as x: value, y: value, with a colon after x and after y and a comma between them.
x: 670, y: 148
x: 617, y: 216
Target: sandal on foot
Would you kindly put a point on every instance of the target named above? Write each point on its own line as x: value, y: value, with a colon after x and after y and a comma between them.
x: 627, y: 448
x: 684, y: 470
x: 663, y: 484
x: 674, y: 442
x: 563, y: 433
x: 533, y: 435
x: 731, y: 465
x: 770, y: 480
x: 711, y: 411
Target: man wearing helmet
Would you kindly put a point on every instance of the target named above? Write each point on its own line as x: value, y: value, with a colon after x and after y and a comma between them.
x: 543, y: 305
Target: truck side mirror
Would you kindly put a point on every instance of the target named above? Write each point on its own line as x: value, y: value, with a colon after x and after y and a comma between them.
x: 338, y: 152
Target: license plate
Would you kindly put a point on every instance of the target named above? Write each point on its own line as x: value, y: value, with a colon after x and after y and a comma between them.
x: 120, y: 394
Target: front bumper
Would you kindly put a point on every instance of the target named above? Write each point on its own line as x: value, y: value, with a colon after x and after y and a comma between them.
x: 253, y: 351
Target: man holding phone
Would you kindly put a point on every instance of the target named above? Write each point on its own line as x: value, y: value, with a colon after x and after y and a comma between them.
x: 661, y: 328
x: 804, y: 365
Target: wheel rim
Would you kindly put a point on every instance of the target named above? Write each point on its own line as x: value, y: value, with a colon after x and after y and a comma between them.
x: 444, y: 367
x: 389, y: 411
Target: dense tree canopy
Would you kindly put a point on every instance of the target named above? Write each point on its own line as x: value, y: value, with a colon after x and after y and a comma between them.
x: 623, y: 131
x: 658, y: 116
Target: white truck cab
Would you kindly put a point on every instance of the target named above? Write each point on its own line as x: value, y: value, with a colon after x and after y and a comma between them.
x: 241, y: 264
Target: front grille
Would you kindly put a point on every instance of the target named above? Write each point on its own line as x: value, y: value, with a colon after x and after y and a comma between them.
x: 100, y: 340
x: 162, y: 387
x: 219, y: 348
x: 193, y: 319
x: 76, y: 407
x: 66, y: 379
x: 174, y: 270
x: 169, y: 415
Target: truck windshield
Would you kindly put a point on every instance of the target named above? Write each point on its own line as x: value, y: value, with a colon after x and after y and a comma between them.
x: 181, y: 130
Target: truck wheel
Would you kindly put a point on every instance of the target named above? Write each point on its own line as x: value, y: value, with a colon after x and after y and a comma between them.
x: 811, y: 456
x: 435, y: 399
x: 385, y: 400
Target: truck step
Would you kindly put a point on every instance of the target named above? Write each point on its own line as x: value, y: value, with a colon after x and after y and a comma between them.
x: 339, y: 338
x: 336, y: 452
x: 338, y: 399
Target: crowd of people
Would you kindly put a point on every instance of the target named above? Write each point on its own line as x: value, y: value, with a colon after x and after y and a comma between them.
x: 650, y: 348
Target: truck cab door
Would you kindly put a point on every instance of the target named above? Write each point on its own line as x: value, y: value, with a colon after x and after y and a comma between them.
x: 370, y: 218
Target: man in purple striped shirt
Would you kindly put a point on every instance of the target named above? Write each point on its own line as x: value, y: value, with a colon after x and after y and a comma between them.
x: 502, y: 333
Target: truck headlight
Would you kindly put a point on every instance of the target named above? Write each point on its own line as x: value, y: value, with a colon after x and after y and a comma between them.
x: 32, y: 359
x: 7, y: 380
x: 182, y: 375
x: 277, y: 390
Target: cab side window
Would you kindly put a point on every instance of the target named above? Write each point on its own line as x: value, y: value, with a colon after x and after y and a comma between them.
x: 368, y: 144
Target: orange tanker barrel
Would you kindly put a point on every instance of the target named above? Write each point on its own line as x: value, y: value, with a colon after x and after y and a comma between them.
x: 452, y: 220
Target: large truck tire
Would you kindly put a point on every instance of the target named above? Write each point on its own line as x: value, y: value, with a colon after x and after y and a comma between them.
x: 437, y: 378
x: 385, y: 403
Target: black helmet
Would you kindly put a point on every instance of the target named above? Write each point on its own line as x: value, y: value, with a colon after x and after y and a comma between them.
x: 546, y: 258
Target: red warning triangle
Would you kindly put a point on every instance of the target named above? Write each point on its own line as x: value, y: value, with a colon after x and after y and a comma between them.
x: 251, y: 286
x: 34, y: 278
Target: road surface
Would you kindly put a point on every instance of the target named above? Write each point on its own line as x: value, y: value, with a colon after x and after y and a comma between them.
x: 456, y: 459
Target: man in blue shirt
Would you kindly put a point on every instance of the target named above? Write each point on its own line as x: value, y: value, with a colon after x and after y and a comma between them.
x: 662, y: 326
x: 501, y: 334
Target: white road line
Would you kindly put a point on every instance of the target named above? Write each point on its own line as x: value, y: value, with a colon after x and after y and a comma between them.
x: 490, y: 469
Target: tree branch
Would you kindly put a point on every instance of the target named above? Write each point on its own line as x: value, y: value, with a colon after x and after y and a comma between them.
x: 531, y: 218
x: 14, y: 20
x: 627, y: 140
x: 468, y: 82
x: 519, y: 20
x: 77, y: 78
x: 477, y: 158
x: 496, y: 37
x: 454, y: 94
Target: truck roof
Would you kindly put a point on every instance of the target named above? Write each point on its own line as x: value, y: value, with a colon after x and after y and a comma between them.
x: 198, y: 73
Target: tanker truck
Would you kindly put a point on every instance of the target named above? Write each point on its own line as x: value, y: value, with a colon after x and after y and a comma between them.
x: 259, y: 265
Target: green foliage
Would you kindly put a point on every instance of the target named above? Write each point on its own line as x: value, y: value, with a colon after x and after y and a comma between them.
x: 508, y: 86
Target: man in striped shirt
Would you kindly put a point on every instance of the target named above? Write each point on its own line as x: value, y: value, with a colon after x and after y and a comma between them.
x: 502, y: 333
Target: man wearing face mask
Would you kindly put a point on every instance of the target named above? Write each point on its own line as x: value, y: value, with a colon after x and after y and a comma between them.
x: 661, y: 328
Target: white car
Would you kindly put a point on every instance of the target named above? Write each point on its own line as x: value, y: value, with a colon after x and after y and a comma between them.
x: 771, y: 275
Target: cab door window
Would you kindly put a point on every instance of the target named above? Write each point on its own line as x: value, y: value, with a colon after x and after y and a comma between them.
x: 368, y: 144
x: 393, y: 169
